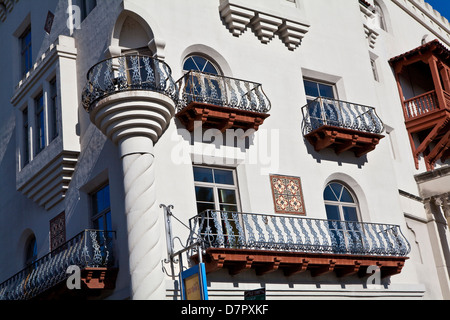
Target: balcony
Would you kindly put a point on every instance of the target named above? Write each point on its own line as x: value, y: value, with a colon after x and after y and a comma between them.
x: 127, y: 73
x: 266, y: 243
x: 423, y: 81
x: 343, y: 126
x: 220, y: 102
x: 131, y: 95
x: 91, y: 250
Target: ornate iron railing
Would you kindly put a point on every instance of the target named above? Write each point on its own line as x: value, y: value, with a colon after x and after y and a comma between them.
x: 129, y: 72
x: 342, y: 114
x: 222, y: 229
x: 221, y: 91
x: 90, y: 248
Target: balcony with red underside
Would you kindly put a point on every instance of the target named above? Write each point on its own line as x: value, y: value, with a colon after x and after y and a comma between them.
x: 423, y: 81
x: 342, y: 126
x: 85, y: 262
x: 219, y: 102
x: 240, y: 242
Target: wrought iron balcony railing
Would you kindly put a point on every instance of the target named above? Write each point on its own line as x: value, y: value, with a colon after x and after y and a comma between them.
x: 330, y: 112
x: 129, y: 72
x: 202, y: 87
x: 89, y: 249
x: 222, y: 229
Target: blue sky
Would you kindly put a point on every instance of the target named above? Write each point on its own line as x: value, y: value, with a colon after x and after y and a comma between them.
x: 443, y: 6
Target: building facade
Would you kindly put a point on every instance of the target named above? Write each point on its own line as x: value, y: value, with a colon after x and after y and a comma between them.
x: 296, y: 145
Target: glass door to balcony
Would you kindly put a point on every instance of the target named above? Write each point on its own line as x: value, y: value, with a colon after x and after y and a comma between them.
x: 342, y: 213
x: 321, y: 103
x: 217, y: 199
x: 202, y: 84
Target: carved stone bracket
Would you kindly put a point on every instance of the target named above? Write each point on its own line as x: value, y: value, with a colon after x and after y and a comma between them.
x: 266, y: 26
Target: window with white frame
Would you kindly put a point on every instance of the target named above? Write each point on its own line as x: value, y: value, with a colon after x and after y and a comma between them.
x: 342, y: 213
x: 216, y: 189
x: 25, y: 138
x: 200, y: 63
x: 40, y: 123
x: 315, y: 89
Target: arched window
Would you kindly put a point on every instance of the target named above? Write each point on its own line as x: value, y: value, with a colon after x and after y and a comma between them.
x: 343, y: 215
x: 200, y: 63
x: 30, y: 251
x: 380, y: 16
x: 340, y: 203
x: 202, y: 83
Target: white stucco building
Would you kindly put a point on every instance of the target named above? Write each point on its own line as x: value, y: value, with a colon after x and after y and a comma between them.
x: 302, y: 144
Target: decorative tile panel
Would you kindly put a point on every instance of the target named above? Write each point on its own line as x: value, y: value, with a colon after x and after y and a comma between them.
x: 287, y: 194
x: 57, y: 231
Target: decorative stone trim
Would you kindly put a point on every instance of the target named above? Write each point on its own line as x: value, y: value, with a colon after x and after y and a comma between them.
x: 48, y: 186
x: 238, y: 18
x: 368, y: 21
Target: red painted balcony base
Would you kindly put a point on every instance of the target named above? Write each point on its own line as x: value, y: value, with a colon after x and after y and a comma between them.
x: 436, y: 126
x: 221, y: 118
x: 342, y: 139
x: 265, y: 261
x: 95, y: 282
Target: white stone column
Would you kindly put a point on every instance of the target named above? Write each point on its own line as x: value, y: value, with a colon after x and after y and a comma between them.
x: 135, y: 120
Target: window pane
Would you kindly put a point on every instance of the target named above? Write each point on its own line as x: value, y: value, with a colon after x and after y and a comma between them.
x: 210, y: 68
x: 346, y: 196
x: 336, y: 189
x: 328, y: 194
x: 350, y: 213
x: 326, y: 91
x: 99, y: 223
x: 200, y: 62
x: 101, y: 200
x: 224, y: 177
x: 227, y: 207
x: 202, y: 206
x: 203, y: 174
x: 311, y: 88
x: 332, y: 212
x: 204, y: 194
x: 227, y: 196
x: 189, y: 65
x: 108, y: 225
